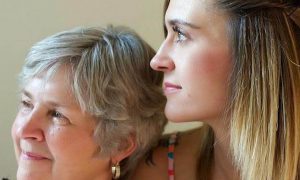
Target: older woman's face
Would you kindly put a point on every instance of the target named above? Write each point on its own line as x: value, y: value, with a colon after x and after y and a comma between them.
x: 53, y: 138
x: 196, y: 61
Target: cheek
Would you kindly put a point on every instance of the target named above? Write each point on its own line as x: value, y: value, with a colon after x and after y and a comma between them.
x: 58, y: 141
x: 70, y: 144
x: 14, y: 130
x: 15, y: 126
x: 18, y: 125
x: 15, y: 136
x: 214, y: 63
x: 209, y: 72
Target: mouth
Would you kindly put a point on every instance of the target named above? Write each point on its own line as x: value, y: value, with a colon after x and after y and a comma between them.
x: 33, y: 156
x: 170, y: 88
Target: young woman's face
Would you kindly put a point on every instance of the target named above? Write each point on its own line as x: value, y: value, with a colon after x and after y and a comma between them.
x: 53, y: 138
x: 196, y: 61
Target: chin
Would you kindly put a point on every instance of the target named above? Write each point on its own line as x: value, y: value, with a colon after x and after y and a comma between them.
x: 26, y: 173
x: 30, y: 176
x: 176, y: 116
x: 176, y: 113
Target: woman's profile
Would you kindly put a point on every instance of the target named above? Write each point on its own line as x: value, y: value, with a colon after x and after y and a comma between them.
x: 90, y: 106
x: 235, y: 66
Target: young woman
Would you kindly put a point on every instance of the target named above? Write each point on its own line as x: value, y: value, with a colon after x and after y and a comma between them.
x: 90, y: 106
x: 235, y: 66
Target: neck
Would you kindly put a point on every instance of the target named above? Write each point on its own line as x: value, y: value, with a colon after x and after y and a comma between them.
x: 222, y: 166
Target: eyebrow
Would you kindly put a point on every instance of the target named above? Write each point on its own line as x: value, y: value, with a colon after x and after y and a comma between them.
x: 26, y: 93
x: 51, y: 103
x: 173, y: 22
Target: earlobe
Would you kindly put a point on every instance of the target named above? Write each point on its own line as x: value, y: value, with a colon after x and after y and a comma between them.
x: 126, y: 151
x: 122, y: 153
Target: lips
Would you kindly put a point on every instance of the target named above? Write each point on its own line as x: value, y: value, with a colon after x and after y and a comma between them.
x: 170, y: 88
x: 32, y: 151
x: 32, y: 156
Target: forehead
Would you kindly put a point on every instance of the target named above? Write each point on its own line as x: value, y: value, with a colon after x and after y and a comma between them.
x: 205, y: 14
x: 55, y: 86
x: 187, y: 8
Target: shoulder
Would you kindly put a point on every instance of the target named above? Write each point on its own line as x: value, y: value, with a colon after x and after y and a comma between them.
x: 155, y: 164
x: 156, y: 168
x: 185, y: 156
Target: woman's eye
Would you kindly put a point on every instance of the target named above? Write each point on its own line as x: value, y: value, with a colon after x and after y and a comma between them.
x: 57, y: 114
x: 59, y: 118
x: 180, y: 36
x: 25, y: 105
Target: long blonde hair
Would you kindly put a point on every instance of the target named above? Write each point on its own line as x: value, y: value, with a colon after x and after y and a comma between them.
x: 265, y: 90
x: 265, y: 125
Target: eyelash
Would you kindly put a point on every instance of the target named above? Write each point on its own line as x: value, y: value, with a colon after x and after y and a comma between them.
x: 26, y: 104
x: 59, y: 118
x: 181, y: 36
x: 56, y: 114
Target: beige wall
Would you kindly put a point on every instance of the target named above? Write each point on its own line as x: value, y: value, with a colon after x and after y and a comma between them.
x: 25, y: 22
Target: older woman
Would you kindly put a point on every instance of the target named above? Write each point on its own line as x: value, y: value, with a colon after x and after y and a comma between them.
x: 90, y: 106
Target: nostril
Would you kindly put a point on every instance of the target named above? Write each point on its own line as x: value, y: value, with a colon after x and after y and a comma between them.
x: 162, y: 63
x: 162, y: 68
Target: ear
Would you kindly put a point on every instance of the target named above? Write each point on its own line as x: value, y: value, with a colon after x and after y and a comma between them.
x: 126, y: 150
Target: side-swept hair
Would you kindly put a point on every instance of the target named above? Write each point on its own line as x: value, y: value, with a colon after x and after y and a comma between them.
x: 265, y: 83
x: 110, y: 77
x: 264, y: 103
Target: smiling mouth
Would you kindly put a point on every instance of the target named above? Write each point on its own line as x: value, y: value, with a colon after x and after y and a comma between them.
x: 32, y: 156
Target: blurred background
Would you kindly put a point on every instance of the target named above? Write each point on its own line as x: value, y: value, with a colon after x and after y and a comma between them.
x: 25, y: 22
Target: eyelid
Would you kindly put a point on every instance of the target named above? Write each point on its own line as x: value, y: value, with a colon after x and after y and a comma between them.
x: 56, y: 113
x: 25, y: 102
x: 180, y: 34
x: 61, y: 120
x: 178, y: 29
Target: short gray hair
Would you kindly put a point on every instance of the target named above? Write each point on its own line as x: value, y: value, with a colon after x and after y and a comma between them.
x: 111, y: 79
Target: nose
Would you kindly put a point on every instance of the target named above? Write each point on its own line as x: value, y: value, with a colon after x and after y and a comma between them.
x: 162, y: 61
x: 29, y: 126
